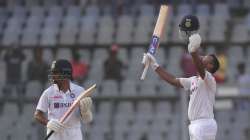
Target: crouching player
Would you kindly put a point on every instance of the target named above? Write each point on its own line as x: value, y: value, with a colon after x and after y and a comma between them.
x: 57, y: 99
x: 202, y: 87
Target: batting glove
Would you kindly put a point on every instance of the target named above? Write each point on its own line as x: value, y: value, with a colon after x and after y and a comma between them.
x: 55, y: 125
x: 85, y: 104
x: 87, y: 116
x: 145, y: 59
x: 194, y: 43
x: 153, y: 62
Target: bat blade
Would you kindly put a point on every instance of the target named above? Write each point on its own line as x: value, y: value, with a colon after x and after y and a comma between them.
x: 159, y: 27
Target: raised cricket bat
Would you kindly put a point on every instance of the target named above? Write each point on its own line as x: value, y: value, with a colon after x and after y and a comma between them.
x: 84, y: 94
x: 159, y: 27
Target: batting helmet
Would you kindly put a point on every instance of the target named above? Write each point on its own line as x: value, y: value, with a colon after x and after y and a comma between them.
x: 60, y: 70
x: 189, y: 23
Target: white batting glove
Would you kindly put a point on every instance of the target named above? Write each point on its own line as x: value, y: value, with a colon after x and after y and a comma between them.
x: 55, y: 125
x: 85, y: 104
x: 194, y: 43
x: 87, y: 116
x: 145, y: 59
x: 153, y: 62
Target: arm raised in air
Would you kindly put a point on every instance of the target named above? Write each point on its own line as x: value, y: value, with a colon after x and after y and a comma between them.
x: 161, y: 72
x: 193, y: 46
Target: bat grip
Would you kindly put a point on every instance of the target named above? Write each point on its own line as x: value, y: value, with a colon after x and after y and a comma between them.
x: 145, y: 70
x: 50, y: 133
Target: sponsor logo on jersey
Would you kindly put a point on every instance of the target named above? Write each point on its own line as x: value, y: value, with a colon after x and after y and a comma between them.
x: 62, y: 105
x: 194, y: 85
x: 57, y: 97
x: 194, y: 89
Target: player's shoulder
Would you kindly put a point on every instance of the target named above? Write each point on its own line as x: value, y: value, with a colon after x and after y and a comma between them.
x: 192, y: 77
x: 49, y: 89
x: 210, y: 80
x: 76, y: 87
x: 209, y: 76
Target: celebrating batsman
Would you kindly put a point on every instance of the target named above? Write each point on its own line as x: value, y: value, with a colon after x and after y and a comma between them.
x: 202, y: 87
x: 57, y: 99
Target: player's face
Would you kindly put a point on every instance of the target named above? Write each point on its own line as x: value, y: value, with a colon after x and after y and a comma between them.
x: 207, y: 62
x: 56, y: 77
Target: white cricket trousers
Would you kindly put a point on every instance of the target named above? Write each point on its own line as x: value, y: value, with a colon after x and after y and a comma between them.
x: 203, y: 129
x: 67, y: 134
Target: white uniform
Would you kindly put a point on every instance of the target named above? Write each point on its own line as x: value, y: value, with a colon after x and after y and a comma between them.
x: 56, y: 103
x: 200, y: 108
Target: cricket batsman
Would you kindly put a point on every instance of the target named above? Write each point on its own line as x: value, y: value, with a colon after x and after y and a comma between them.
x: 57, y: 99
x: 202, y: 87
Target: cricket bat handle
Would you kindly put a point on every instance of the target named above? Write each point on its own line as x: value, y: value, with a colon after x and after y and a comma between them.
x: 152, y: 50
x: 145, y: 70
x: 50, y: 133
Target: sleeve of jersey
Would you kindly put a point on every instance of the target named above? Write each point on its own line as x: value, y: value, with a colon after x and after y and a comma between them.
x: 209, y: 79
x: 185, y: 82
x: 43, y: 103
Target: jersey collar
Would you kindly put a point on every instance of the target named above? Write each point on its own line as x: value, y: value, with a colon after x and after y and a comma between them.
x: 70, y: 87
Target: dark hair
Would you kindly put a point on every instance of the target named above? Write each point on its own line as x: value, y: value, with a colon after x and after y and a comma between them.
x: 216, y: 63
